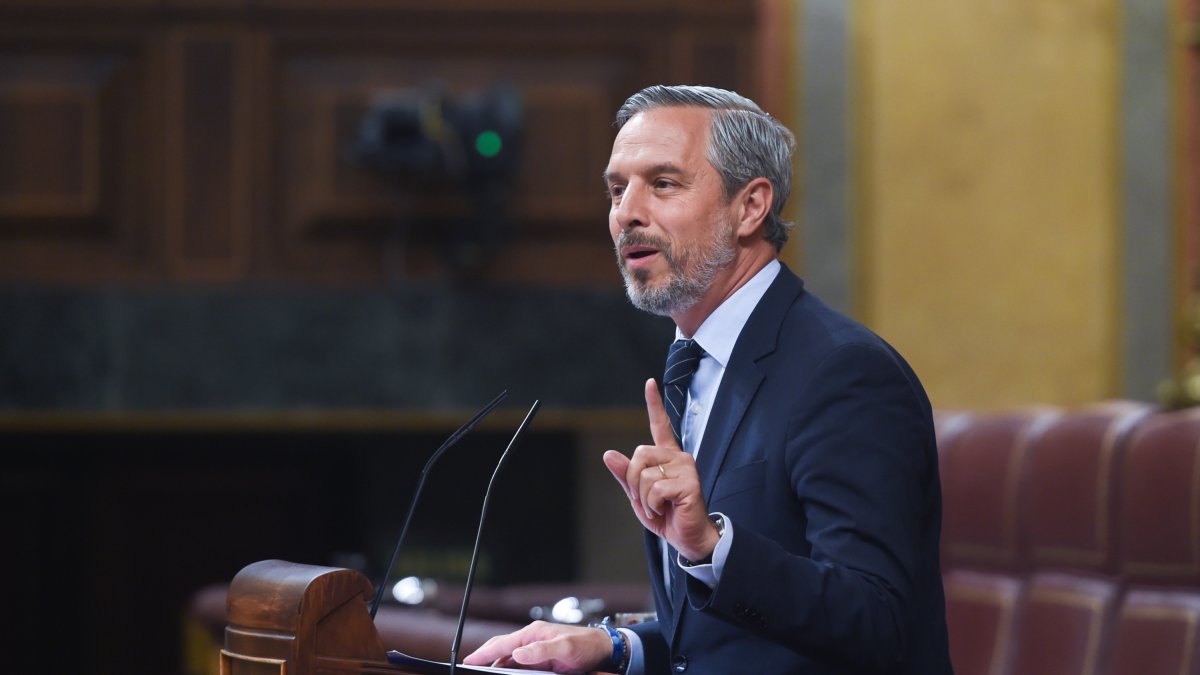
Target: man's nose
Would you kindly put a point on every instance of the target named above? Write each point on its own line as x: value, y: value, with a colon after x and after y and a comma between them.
x: 631, y: 211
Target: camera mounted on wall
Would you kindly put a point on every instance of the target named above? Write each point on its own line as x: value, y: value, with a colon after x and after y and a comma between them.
x: 466, y: 144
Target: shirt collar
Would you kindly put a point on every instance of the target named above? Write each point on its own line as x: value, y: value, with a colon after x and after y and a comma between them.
x: 721, y: 329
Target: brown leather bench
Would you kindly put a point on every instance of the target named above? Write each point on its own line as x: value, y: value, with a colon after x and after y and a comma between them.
x: 1071, y: 541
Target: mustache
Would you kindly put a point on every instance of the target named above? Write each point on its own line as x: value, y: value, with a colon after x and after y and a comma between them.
x: 639, y: 238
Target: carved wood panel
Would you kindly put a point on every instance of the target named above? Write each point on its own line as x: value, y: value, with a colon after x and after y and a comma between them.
x: 76, y: 144
x: 209, y: 137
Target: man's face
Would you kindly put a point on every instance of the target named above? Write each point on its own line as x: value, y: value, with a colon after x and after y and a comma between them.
x: 670, y: 220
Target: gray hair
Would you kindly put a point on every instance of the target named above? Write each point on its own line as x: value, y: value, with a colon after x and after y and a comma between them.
x: 746, y: 143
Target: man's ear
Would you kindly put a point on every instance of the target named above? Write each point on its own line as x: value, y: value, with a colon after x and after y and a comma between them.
x: 754, y: 200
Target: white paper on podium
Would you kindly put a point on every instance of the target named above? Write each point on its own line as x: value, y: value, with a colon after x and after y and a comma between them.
x: 438, y: 667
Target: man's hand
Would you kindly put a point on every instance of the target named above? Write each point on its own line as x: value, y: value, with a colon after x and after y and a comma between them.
x: 663, y: 486
x: 546, y: 646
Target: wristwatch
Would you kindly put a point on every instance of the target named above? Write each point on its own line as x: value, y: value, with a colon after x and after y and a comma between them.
x: 719, y: 522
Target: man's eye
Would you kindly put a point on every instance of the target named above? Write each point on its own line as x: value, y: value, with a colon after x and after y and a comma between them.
x: 615, y: 191
x: 663, y: 183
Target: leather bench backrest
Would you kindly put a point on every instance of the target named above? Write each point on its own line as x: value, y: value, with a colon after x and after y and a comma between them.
x: 981, y: 459
x: 1158, y: 623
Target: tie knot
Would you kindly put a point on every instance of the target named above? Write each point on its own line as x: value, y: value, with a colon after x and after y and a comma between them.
x: 682, y: 360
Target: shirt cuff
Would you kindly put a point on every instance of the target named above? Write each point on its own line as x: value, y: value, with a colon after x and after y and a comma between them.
x: 637, y: 658
x: 710, y: 574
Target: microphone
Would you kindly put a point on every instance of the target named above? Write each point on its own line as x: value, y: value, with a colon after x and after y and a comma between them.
x: 487, y: 496
x: 454, y: 438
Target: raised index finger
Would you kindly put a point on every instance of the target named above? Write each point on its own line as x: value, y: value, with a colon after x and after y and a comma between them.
x: 660, y: 426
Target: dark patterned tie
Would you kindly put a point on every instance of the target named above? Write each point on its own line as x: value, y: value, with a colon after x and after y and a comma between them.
x: 682, y: 360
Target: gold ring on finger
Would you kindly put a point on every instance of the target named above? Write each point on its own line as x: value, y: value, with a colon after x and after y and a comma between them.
x: 662, y: 470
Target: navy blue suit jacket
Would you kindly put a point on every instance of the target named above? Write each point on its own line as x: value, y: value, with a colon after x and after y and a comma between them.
x: 820, y: 449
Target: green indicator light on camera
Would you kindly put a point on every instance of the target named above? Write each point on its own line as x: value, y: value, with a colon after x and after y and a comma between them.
x: 488, y: 144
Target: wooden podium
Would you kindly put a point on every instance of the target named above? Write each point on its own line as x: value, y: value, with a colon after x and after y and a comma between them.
x: 290, y: 619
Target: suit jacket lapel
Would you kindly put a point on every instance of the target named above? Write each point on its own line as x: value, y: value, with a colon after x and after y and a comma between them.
x: 743, y: 376
x: 733, y: 398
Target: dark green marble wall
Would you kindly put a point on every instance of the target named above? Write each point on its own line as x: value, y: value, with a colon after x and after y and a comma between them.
x: 168, y: 349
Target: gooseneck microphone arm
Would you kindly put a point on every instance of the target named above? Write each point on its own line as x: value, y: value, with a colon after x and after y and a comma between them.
x: 454, y: 438
x: 487, y: 496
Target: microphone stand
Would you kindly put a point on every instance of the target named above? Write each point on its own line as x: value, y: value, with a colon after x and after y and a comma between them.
x: 462, y: 615
x: 454, y: 438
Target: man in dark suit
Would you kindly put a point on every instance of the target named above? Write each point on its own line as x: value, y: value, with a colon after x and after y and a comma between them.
x: 791, y: 495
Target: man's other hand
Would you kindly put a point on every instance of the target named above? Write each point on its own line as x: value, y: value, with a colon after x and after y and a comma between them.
x: 546, y: 646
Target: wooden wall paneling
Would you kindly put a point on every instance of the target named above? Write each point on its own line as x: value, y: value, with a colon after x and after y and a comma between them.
x: 715, y: 56
x: 77, y: 135
x: 50, y: 176
x: 209, y: 147
x: 562, y: 235
x: 208, y: 4
x: 205, y: 140
x: 560, y: 186
x: 334, y: 219
x: 59, y: 5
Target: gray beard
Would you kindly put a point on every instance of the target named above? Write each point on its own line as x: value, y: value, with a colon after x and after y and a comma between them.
x: 678, y: 295
x: 682, y: 290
